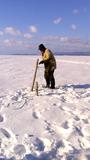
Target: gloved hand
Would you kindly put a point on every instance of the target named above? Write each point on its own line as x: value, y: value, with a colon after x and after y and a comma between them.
x: 41, y: 62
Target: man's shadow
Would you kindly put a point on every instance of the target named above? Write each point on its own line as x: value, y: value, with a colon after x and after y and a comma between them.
x: 77, y: 86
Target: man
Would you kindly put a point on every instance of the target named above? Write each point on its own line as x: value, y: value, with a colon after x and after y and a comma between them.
x: 49, y: 62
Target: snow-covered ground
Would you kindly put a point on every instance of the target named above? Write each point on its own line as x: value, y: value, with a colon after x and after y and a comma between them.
x: 55, y: 125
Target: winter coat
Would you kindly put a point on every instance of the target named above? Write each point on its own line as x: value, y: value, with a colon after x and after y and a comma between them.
x: 49, y: 59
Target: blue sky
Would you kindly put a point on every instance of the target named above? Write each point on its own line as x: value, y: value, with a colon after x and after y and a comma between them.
x: 62, y: 25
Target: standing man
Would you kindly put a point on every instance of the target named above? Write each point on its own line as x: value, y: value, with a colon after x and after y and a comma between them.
x: 49, y: 62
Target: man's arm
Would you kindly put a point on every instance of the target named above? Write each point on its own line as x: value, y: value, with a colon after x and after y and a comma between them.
x: 46, y: 57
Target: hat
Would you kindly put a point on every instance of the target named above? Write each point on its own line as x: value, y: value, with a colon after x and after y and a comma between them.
x: 41, y: 47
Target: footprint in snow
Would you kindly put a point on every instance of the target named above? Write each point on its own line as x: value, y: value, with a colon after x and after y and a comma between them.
x: 79, y: 131
x: 3, y: 157
x: 4, y: 133
x: 84, y: 143
x: 65, y: 125
x: 1, y: 118
x: 76, y: 118
x: 86, y: 131
x: 34, y: 143
x: 48, y: 127
x: 38, y: 144
x: 18, y: 105
x: 63, y: 130
x: 85, y: 120
x: 19, y: 150
x: 36, y: 115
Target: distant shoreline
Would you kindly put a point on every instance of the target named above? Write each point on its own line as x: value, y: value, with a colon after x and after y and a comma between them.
x: 56, y: 54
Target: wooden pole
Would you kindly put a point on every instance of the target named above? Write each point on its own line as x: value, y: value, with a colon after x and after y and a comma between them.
x: 37, y: 88
x: 35, y: 74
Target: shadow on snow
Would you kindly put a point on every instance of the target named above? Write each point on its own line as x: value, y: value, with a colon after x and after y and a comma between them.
x: 77, y: 86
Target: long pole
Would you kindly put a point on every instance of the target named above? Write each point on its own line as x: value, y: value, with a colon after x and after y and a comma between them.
x: 37, y: 88
x: 35, y: 74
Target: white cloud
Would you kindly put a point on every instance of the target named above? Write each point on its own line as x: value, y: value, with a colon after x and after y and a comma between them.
x: 7, y: 42
x: 75, y: 11
x: 12, y: 31
x: 27, y: 36
x: 64, y: 43
x: 57, y: 20
x: 33, y: 28
x: 56, y: 38
x: 63, y: 39
x: 1, y: 33
x: 12, y: 42
x: 73, y: 27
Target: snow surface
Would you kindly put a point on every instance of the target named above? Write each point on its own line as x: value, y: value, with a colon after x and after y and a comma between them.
x: 55, y: 125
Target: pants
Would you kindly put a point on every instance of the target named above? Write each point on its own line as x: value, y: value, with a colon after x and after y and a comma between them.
x: 49, y: 77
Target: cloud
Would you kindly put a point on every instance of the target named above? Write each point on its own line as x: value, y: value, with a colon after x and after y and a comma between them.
x: 62, y: 39
x: 57, y: 20
x: 57, y: 43
x: 27, y: 36
x: 12, y: 31
x: 75, y: 11
x: 33, y: 29
x: 12, y: 42
x: 1, y: 33
x: 7, y: 42
x: 56, y: 38
x: 65, y: 43
x: 73, y: 27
